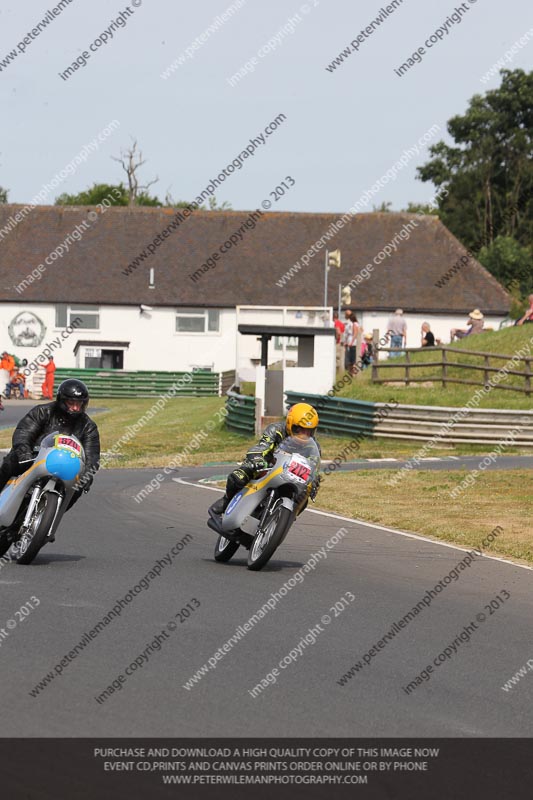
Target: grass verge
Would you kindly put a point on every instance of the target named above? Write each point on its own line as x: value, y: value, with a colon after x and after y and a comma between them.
x: 183, y: 422
x: 421, y: 504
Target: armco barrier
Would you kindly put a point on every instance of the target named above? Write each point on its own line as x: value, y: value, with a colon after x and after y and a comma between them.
x: 241, y: 415
x: 339, y: 415
x: 115, y: 383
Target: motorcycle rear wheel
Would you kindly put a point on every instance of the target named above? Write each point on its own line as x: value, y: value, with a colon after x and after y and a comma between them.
x: 225, y: 549
x: 24, y: 553
x: 269, y: 538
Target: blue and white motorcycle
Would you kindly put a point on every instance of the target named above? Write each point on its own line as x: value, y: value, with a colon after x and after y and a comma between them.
x: 32, y: 505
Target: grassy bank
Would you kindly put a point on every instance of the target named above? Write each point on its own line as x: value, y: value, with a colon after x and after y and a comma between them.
x: 420, y: 503
x: 431, y: 392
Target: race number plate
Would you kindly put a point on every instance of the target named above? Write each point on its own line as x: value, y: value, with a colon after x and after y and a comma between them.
x: 67, y: 443
x: 300, y: 468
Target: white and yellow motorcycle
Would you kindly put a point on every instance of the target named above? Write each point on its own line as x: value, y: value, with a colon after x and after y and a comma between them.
x: 260, y: 515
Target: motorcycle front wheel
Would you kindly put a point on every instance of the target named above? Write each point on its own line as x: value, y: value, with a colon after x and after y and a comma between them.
x: 27, y: 547
x: 269, y: 537
x: 225, y: 549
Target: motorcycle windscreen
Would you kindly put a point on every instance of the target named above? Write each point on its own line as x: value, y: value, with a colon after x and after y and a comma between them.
x: 306, y: 447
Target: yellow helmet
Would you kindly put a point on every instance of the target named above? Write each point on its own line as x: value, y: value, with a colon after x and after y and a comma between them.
x: 302, y: 415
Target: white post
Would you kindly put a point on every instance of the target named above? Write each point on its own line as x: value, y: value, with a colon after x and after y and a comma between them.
x: 237, y: 334
x: 283, y: 341
x: 326, y: 281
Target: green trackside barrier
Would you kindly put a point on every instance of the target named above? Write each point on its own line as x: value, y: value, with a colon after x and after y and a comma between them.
x: 241, y: 413
x: 339, y: 415
x: 116, y: 383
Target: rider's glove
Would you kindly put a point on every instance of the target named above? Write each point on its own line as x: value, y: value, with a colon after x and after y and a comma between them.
x: 24, y: 456
x: 314, y: 489
x: 85, y: 483
x: 258, y: 462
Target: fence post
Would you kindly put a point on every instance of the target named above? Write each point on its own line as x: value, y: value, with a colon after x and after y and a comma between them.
x: 528, y: 375
x: 486, y: 374
x: 407, y: 363
x: 444, y: 368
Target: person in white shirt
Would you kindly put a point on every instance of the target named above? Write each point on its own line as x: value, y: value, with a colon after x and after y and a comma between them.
x: 397, y: 330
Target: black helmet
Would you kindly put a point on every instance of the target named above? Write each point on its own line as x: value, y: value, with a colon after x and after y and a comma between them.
x: 72, y: 389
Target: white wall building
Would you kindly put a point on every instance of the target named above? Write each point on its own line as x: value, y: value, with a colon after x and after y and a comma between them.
x: 139, y: 301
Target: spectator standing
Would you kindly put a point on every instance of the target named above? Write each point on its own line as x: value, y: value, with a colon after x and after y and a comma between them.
x: 339, y: 327
x: 349, y: 342
x: 428, y: 340
x: 339, y: 332
x: 47, y: 387
x: 397, y: 330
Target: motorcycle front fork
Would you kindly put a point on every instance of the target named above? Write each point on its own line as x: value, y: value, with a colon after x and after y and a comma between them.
x: 267, y: 509
x: 31, y: 507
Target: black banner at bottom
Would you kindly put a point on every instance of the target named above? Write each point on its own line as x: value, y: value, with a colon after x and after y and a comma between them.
x: 135, y: 769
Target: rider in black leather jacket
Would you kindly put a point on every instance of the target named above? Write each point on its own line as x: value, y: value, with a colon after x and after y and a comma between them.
x: 66, y: 415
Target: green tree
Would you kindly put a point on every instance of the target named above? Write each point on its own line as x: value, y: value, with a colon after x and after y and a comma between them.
x: 488, y: 174
x: 117, y: 196
x: 384, y: 208
x: 421, y: 208
x: 3, y: 195
x: 213, y: 205
x: 510, y: 263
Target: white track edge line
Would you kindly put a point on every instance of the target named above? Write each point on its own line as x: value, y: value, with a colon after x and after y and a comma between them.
x: 380, y: 528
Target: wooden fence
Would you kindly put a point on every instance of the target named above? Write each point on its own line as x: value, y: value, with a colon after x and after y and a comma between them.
x: 438, y: 358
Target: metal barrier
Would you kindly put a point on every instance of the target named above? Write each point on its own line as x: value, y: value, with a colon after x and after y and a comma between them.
x: 115, y: 383
x: 226, y: 381
x: 241, y: 410
x: 339, y: 415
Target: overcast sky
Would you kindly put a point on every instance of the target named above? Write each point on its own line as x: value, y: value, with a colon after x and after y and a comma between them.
x: 343, y: 128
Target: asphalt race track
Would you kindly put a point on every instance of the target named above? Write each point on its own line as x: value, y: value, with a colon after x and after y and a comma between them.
x: 108, y: 543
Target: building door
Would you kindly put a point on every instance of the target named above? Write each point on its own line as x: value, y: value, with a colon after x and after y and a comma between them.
x: 112, y: 359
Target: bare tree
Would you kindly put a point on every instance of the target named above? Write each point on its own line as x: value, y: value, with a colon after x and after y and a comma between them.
x: 131, y: 160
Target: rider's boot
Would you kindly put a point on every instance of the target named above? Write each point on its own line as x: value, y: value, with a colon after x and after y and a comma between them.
x: 220, y: 505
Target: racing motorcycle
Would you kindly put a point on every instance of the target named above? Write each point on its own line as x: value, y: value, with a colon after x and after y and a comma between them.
x: 260, y: 515
x: 31, y: 506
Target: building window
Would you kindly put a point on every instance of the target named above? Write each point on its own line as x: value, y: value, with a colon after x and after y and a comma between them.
x: 88, y: 316
x: 197, y: 320
x: 98, y: 358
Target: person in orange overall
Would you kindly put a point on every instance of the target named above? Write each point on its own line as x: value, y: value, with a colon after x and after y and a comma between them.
x: 6, y: 365
x: 47, y: 387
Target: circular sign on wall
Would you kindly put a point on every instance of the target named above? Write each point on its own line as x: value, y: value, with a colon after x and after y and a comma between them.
x: 26, y: 330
